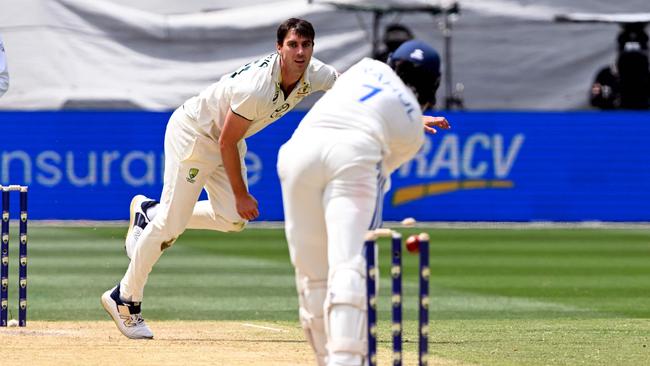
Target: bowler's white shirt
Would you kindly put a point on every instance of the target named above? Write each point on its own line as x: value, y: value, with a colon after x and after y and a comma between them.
x: 370, y: 97
x: 4, y: 74
x: 253, y: 92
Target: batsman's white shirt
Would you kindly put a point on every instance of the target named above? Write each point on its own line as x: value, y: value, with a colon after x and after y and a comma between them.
x: 372, y: 99
x: 193, y: 158
x: 332, y: 171
x: 4, y: 73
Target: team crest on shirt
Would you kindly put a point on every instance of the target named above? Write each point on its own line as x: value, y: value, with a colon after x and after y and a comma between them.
x: 192, y: 174
x: 279, y: 112
x: 304, y: 89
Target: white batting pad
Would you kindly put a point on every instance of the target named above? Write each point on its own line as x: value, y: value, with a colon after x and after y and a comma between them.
x: 311, y: 296
x: 345, y: 315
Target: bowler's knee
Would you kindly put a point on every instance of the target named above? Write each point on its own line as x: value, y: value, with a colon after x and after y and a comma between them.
x: 166, y: 231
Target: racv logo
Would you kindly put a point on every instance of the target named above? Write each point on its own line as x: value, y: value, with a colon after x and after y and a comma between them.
x: 478, y: 161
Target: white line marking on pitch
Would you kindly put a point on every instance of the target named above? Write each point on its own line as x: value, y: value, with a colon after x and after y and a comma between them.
x: 262, y: 327
x: 37, y: 332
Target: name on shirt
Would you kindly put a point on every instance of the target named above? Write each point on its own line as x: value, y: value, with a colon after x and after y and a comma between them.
x: 387, y: 84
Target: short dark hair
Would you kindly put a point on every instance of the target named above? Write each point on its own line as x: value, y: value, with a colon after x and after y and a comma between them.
x: 302, y: 27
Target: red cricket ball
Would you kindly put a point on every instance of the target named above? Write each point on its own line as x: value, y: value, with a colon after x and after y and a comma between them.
x: 413, y: 244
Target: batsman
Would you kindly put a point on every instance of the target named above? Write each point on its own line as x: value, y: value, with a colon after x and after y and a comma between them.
x: 334, y: 172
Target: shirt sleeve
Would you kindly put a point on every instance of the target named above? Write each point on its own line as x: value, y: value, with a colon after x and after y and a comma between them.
x: 244, y: 102
x: 4, y: 74
x: 402, y: 153
x: 404, y: 128
x: 323, y: 76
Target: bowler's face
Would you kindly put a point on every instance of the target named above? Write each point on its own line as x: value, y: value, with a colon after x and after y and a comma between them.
x: 295, y: 52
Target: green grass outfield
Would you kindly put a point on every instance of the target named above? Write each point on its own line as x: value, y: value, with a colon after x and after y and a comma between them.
x: 498, y: 296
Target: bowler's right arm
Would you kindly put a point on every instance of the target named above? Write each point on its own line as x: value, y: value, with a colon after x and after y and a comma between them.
x: 234, y: 129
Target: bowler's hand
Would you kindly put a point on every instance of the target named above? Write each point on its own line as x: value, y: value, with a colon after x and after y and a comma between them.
x: 247, y: 206
x: 431, y: 122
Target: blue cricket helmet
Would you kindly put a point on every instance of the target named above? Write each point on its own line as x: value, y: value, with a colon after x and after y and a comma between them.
x: 418, y: 65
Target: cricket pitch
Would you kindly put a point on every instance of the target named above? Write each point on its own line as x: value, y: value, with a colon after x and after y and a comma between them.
x: 175, y: 343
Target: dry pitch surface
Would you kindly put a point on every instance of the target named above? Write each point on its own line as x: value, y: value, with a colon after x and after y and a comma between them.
x: 176, y: 343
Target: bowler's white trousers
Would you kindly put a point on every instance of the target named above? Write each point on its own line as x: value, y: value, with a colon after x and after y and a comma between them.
x: 330, y: 187
x: 192, y: 162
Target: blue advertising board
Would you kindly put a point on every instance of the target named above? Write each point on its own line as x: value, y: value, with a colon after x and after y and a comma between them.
x: 491, y: 166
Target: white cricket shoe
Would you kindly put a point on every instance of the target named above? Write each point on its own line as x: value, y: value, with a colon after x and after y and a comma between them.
x: 127, y: 315
x: 138, y: 221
